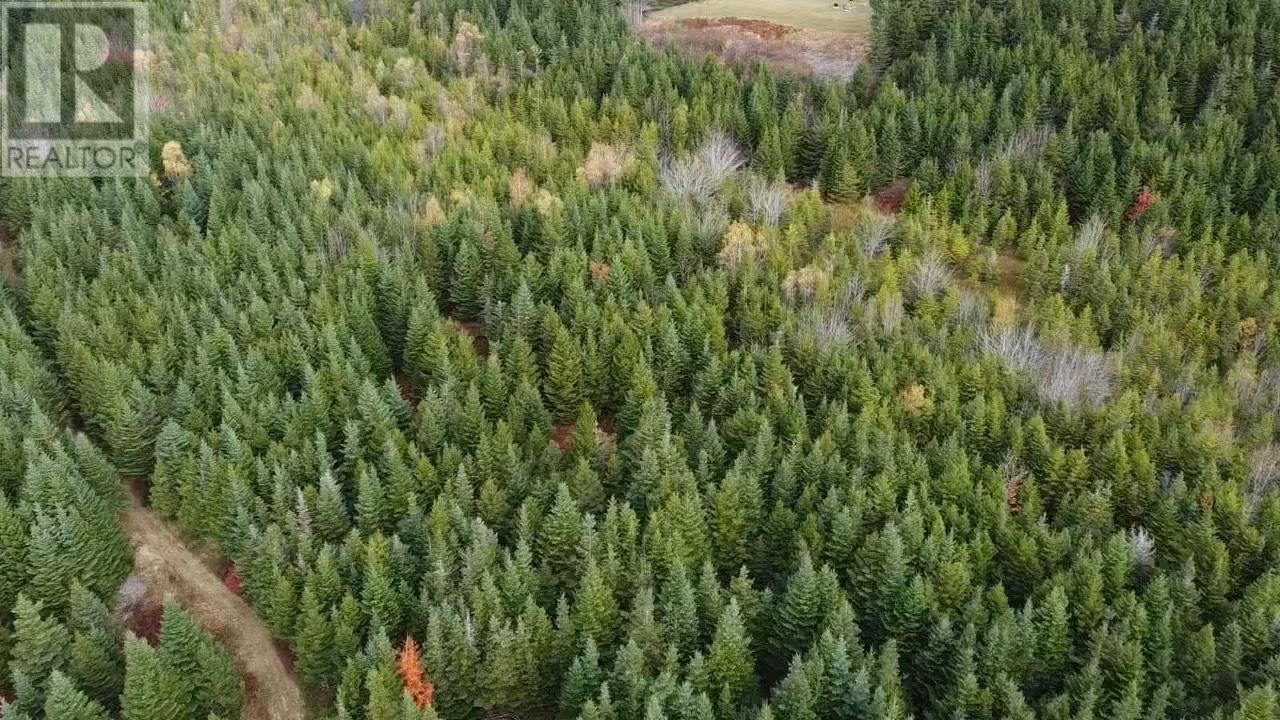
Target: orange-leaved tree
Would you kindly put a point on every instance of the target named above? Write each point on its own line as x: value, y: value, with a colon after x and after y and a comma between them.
x: 415, y: 679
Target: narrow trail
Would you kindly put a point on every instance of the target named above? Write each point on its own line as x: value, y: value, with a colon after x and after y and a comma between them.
x: 165, y: 562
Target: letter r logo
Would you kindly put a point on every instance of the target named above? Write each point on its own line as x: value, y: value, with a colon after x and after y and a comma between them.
x: 45, y: 97
x: 70, y: 70
x: 74, y: 88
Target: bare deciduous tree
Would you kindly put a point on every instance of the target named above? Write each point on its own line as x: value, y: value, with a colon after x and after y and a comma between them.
x: 605, y: 163
x: 1017, y: 347
x: 633, y: 11
x: 1024, y: 144
x: 521, y: 188
x: 767, y: 200
x: 227, y: 21
x: 131, y: 595
x: 931, y: 277
x: 1090, y: 235
x: 721, y: 156
x: 891, y: 313
x: 359, y: 11
x: 465, y: 47
x: 1143, y: 547
x: 702, y: 173
x: 685, y: 179
x: 1070, y: 374
x: 434, y: 137
x: 982, y: 179
x: 1027, y: 142
x: 830, y: 327
x: 973, y: 309
x: 377, y: 105
x: 1264, y: 473
x: 875, y: 230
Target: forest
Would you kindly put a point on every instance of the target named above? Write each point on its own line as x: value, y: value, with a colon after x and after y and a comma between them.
x: 516, y: 367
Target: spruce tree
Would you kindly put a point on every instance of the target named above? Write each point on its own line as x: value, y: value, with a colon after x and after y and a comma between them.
x: 311, y: 642
x: 582, y: 682
x: 190, y: 651
x: 801, y: 611
x: 560, y: 541
x: 565, y: 389
x: 13, y: 553
x: 96, y: 662
x: 64, y: 701
x: 839, y: 177
x: 152, y: 689
x: 41, y: 644
x: 730, y: 667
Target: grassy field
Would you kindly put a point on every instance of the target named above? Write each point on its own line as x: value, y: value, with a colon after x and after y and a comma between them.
x: 806, y: 14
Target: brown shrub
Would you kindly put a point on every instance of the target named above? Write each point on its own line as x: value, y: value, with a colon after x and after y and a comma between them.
x: 604, y: 164
x: 431, y: 214
x: 740, y: 245
x: 890, y: 199
x: 176, y: 164
x: 805, y: 284
x: 521, y: 187
x: 465, y: 47
x: 600, y: 271
x: 914, y: 400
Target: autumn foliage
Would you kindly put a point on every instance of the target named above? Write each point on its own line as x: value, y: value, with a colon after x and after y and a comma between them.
x: 415, y: 679
x: 233, y: 582
x: 1145, y: 200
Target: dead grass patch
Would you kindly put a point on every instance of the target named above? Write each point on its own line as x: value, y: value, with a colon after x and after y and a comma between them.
x: 811, y: 53
x: 1011, y: 276
x: 845, y: 216
x: 889, y: 199
x: 844, y: 16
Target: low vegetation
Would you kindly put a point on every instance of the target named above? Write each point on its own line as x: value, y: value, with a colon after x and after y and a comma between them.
x: 837, y: 16
x: 519, y: 367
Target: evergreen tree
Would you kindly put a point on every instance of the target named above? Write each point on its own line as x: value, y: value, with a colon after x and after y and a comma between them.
x: 41, y: 644
x: 96, y: 663
x: 839, y: 177
x: 191, y: 652
x: 152, y: 689
x: 560, y: 541
x: 565, y: 390
x: 730, y: 667
x: 64, y: 700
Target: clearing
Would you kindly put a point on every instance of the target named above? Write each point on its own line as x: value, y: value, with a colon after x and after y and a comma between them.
x: 169, y: 567
x: 821, y: 15
x: 805, y: 37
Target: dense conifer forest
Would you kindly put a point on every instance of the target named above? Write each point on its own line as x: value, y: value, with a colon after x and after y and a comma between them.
x: 517, y: 366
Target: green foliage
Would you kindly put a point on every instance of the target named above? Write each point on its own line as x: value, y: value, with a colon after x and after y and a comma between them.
x: 153, y: 688
x: 64, y: 700
x: 191, y: 652
x: 431, y: 342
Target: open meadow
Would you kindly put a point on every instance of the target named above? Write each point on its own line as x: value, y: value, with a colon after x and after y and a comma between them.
x: 821, y: 15
x: 818, y: 38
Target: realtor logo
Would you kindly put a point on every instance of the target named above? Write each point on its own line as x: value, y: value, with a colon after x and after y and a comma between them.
x: 75, y: 89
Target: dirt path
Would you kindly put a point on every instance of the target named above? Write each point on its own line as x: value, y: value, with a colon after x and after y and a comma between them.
x: 167, y: 565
